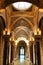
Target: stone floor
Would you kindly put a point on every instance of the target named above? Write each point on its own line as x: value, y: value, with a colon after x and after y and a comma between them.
x: 24, y: 62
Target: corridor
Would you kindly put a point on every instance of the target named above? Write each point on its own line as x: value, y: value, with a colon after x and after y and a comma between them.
x: 21, y: 32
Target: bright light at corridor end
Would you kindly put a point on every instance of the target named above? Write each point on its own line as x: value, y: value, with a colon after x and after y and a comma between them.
x: 22, y: 5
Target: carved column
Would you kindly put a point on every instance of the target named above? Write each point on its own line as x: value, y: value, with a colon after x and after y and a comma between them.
x: 31, y: 50
x: 1, y: 50
x: 28, y: 54
x: 37, y: 49
x: 12, y: 50
x: 34, y: 53
x: 9, y: 52
x: 6, y: 49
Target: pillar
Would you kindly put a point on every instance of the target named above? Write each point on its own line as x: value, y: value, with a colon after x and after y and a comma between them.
x: 28, y: 52
x: 37, y: 49
x: 12, y: 51
x: 31, y: 50
x: 9, y: 52
x: 1, y: 50
x: 34, y: 53
x: 41, y: 50
x: 6, y: 49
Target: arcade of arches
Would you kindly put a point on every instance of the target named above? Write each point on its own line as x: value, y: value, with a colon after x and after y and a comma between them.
x: 21, y: 36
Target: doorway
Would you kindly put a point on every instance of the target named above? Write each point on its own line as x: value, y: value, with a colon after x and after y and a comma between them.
x: 21, y: 50
x: 22, y: 53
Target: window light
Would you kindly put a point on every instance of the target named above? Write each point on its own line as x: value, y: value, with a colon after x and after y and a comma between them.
x: 22, y: 5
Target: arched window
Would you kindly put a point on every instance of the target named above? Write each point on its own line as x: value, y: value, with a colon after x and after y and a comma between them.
x: 22, y: 54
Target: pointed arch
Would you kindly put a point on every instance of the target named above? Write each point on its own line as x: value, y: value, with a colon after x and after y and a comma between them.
x: 25, y: 29
x: 28, y: 21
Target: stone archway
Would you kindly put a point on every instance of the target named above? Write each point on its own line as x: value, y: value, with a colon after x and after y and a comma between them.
x: 19, y: 45
x: 22, y: 42
x: 22, y: 21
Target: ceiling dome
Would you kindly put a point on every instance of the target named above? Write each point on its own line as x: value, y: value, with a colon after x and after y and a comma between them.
x: 22, y: 5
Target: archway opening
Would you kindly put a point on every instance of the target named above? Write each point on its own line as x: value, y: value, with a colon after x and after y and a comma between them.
x: 22, y: 54
x: 21, y: 50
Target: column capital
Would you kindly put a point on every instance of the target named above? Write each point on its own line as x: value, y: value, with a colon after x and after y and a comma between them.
x: 12, y: 43
x: 31, y: 42
x: 37, y: 37
x: 6, y: 37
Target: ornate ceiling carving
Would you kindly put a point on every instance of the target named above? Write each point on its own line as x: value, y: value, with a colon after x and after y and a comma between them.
x: 22, y: 31
x: 27, y: 19
x: 22, y: 21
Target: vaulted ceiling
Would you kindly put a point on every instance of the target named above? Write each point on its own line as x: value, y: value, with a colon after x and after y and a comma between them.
x: 4, y: 3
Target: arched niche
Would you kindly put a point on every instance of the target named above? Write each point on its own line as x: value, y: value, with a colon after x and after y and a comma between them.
x: 22, y: 22
x: 2, y: 25
x: 41, y: 24
x: 20, y: 44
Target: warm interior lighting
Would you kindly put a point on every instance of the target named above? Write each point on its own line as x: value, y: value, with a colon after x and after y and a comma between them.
x: 6, y: 32
x: 32, y: 39
x: 22, y: 39
x: 22, y: 5
x: 37, y: 32
x: 41, y: 10
x: 12, y: 39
